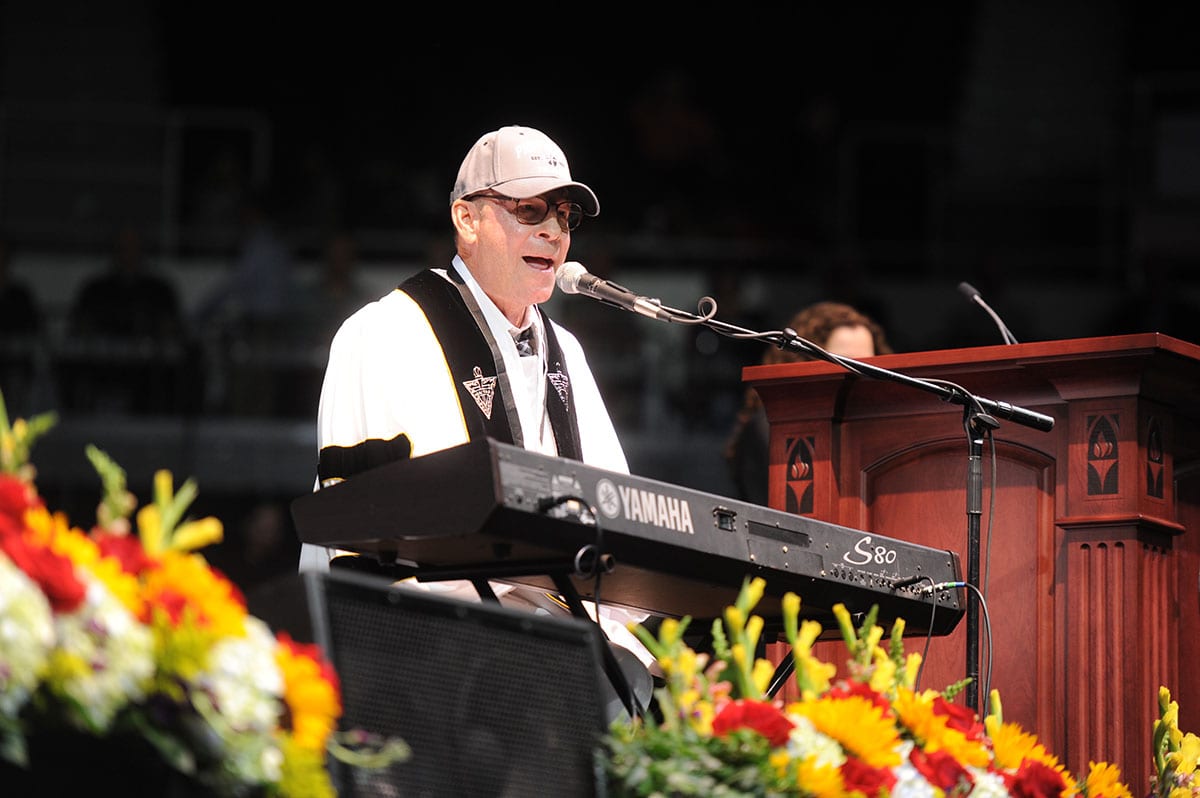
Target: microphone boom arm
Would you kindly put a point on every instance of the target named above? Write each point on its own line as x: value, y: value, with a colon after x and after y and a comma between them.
x: 948, y: 392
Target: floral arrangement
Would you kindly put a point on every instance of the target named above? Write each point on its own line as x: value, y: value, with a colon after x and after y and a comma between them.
x: 125, y: 632
x: 871, y: 733
x: 1175, y: 753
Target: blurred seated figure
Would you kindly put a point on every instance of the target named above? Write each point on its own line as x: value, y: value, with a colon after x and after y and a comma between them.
x: 124, y: 349
x: 336, y: 292
x: 836, y: 328
x: 250, y: 320
x: 255, y: 296
x: 331, y: 296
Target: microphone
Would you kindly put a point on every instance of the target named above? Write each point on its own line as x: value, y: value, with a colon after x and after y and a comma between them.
x: 972, y: 295
x: 573, y: 278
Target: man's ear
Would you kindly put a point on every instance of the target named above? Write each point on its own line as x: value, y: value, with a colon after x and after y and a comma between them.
x: 465, y: 217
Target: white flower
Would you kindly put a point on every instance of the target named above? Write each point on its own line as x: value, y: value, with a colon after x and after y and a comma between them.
x: 244, y: 685
x: 104, y: 659
x: 909, y: 781
x: 804, y: 742
x: 987, y: 785
x: 244, y: 681
x: 26, y: 636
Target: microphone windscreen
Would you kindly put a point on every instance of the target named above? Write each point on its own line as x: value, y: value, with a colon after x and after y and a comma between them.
x: 968, y: 291
x: 569, y: 275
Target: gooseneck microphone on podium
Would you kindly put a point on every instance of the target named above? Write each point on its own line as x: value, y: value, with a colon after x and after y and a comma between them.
x: 971, y: 294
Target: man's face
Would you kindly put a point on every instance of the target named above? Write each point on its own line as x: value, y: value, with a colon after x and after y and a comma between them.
x: 516, y: 263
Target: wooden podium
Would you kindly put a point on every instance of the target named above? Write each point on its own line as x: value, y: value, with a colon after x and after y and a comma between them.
x: 1091, y: 563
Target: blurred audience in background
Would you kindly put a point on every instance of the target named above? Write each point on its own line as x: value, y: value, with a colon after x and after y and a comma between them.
x: 252, y: 299
x: 835, y: 327
x: 128, y: 299
x: 214, y: 199
x: 248, y: 321
x: 125, y: 346
x: 335, y: 291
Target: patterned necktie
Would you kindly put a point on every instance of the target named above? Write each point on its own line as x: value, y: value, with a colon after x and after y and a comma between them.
x: 524, y: 340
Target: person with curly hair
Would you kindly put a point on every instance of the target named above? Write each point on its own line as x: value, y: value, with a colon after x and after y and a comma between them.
x: 835, y: 327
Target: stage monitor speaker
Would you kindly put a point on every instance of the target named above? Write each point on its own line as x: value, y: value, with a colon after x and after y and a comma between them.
x: 492, y: 701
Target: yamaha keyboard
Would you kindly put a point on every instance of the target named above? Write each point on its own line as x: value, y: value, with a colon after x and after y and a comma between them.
x: 489, y: 510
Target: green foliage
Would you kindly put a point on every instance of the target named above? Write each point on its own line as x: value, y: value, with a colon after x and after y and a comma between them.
x: 654, y: 761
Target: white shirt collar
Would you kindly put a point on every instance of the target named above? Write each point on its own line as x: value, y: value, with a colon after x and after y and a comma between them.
x: 497, y: 322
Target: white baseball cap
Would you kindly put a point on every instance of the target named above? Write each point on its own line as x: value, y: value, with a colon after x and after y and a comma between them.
x: 519, y: 162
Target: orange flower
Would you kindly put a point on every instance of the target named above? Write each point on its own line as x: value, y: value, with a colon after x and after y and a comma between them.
x: 311, y: 690
x: 183, y: 579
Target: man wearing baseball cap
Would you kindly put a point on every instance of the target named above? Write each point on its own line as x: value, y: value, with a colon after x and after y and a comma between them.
x: 463, y: 351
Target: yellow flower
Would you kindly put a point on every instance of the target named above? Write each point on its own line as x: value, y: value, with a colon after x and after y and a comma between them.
x: 161, y: 526
x: 181, y: 648
x: 752, y: 593
x: 762, y: 675
x: 701, y: 717
x: 1183, y: 760
x: 55, y: 532
x: 858, y: 725
x: 915, y: 711
x: 823, y: 781
x: 912, y: 667
x: 809, y: 632
x: 1011, y: 744
x: 1104, y: 781
x: 736, y: 620
x: 190, y: 535
x: 814, y: 673
x: 193, y: 535
x: 874, y: 635
x: 884, y: 675
x: 791, y: 614
x: 303, y: 771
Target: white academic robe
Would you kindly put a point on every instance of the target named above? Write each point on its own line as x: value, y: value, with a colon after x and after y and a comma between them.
x: 387, y: 376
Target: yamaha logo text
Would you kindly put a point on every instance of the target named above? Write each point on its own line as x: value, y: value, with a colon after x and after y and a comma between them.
x: 644, y: 507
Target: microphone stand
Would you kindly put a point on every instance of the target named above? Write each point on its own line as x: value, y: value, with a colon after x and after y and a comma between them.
x: 979, y: 420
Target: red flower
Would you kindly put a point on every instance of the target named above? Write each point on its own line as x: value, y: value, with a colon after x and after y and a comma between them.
x: 959, y: 718
x: 758, y: 716
x: 861, y: 777
x: 941, y: 769
x: 171, y: 602
x: 53, y: 573
x: 15, y: 498
x: 862, y: 690
x: 1034, y: 780
x: 126, y: 549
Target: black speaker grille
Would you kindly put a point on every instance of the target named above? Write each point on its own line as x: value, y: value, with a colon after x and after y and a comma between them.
x: 492, y: 701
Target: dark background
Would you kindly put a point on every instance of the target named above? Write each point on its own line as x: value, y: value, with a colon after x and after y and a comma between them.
x: 766, y: 155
